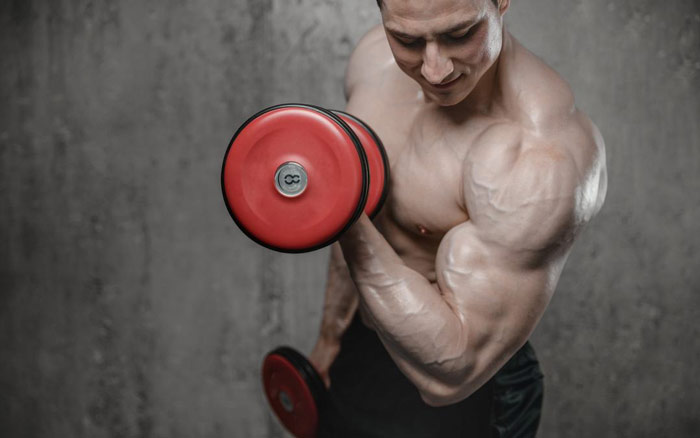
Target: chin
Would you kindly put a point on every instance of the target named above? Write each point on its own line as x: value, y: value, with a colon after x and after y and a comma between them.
x: 450, y: 101
x: 447, y: 99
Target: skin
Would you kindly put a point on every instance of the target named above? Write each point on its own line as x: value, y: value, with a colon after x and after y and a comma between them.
x: 493, y: 178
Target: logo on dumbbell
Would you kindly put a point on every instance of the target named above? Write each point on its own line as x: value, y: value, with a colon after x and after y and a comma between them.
x: 290, y: 179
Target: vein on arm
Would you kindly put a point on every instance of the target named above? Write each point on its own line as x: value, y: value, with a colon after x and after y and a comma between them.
x: 495, y: 273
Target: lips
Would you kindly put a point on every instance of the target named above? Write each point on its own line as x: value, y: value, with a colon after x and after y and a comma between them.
x: 445, y: 85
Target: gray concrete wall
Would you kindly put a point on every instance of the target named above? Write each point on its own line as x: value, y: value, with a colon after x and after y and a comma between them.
x: 130, y: 304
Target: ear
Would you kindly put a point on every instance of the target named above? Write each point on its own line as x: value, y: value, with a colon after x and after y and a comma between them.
x: 503, y: 6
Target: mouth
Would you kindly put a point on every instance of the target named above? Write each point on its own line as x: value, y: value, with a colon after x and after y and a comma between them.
x: 446, y: 85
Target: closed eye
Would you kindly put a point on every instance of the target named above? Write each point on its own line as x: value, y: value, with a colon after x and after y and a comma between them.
x: 409, y: 42
x: 406, y: 40
x: 460, y: 38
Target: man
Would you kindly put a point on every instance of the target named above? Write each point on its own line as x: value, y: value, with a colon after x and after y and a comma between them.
x: 494, y: 174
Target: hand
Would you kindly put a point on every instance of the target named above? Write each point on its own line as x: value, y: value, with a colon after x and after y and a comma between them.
x: 322, y: 356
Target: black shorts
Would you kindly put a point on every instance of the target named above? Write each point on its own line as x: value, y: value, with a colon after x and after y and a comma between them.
x: 369, y: 397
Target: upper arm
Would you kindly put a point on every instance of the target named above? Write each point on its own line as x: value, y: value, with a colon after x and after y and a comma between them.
x: 529, y: 195
x: 525, y: 210
x: 527, y: 201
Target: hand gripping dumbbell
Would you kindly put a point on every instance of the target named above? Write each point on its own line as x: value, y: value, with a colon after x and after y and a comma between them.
x: 295, y: 177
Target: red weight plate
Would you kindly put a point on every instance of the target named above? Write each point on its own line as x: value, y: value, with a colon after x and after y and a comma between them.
x: 335, y: 168
x: 377, y: 160
x: 290, y: 396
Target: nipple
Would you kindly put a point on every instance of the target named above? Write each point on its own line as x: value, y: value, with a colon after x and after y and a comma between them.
x: 421, y: 229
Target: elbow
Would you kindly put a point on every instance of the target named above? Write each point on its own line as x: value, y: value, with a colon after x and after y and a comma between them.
x: 437, y: 393
x: 449, y: 381
x: 444, y: 397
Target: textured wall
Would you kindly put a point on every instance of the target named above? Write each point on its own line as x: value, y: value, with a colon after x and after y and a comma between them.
x: 619, y: 342
x: 131, y: 306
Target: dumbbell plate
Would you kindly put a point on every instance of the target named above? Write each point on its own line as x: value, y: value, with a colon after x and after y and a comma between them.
x: 295, y: 177
x: 294, y: 390
x: 377, y: 160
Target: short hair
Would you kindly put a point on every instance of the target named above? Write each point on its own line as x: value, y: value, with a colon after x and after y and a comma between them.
x: 495, y: 2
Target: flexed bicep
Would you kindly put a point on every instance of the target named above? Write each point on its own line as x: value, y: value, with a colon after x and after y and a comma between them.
x: 498, y: 302
x: 498, y: 270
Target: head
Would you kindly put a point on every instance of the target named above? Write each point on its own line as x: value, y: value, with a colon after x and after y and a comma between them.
x: 445, y: 45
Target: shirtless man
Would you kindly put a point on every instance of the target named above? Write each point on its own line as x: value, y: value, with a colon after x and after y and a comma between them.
x: 494, y: 174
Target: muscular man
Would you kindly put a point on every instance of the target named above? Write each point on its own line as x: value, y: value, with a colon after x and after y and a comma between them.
x: 494, y: 174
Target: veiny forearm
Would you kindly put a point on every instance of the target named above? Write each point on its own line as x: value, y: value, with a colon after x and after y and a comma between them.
x: 423, y: 334
x: 341, y: 298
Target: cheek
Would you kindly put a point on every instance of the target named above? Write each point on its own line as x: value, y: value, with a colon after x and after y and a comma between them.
x: 484, y: 48
x: 407, y: 60
x: 470, y: 54
x: 492, y: 42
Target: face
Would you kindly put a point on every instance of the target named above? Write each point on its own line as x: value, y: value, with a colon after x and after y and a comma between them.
x: 444, y: 45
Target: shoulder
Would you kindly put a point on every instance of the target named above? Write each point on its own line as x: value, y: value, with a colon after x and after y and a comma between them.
x: 542, y: 132
x: 367, y: 59
x: 531, y: 185
x: 534, y: 94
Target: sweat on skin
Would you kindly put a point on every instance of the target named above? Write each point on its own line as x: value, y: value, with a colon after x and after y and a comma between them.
x: 529, y: 171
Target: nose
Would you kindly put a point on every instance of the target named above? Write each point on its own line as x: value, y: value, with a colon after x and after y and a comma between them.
x: 436, y: 67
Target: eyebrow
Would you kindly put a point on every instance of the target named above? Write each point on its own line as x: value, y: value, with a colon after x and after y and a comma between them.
x: 459, y: 26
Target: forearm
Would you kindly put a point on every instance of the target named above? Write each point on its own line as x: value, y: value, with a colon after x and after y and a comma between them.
x: 422, y: 332
x: 341, y: 298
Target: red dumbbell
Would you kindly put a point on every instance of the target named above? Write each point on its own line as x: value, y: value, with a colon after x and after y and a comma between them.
x: 294, y: 390
x: 295, y: 177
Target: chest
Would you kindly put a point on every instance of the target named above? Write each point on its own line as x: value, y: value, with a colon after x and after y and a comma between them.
x: 426, y: 156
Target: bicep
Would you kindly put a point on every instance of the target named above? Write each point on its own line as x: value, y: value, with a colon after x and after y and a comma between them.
x: 499, y: 303
x: 499, y: 269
